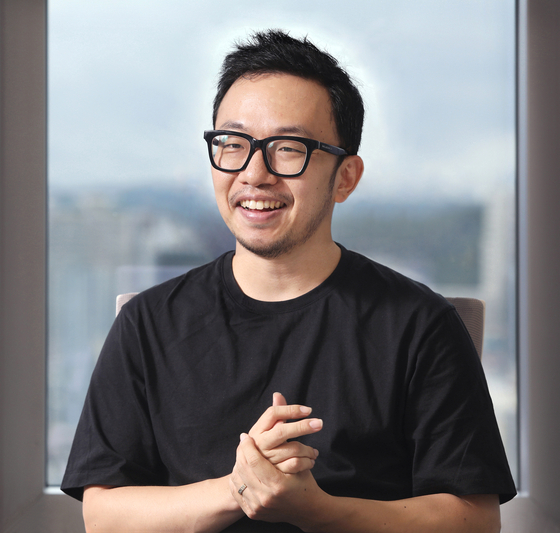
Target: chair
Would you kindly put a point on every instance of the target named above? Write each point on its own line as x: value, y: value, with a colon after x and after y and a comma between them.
x: 473, y: 313
x: 123, y: 298
x: 471, y: 310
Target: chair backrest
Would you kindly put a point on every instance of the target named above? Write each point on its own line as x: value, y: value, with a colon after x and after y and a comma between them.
x: 471, y: 311
x: 123, y: 298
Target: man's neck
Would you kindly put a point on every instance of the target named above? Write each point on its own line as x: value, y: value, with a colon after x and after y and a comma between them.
x: 286, y: 277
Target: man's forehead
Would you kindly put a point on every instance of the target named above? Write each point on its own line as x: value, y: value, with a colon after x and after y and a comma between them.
x: 285, y: 80
x: 297, y: 100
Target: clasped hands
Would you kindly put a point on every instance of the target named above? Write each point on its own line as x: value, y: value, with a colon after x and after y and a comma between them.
x: 276, y: 471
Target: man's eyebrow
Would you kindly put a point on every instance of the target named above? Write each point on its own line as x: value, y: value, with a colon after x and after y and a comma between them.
x: 291, y: 130
x: 283, y: 130
x: 230, y: 125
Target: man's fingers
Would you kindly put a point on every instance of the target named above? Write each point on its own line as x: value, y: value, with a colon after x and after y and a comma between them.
x: 278, y: 413
x: 243, y: 474
x: 280, y: 433
x: 272, y: 432
x: 292, y: 457
x: 263, y: 491
x: 288, y: 450
x: 254, y: 466
x: 295, y: 465
x: 278, y: 399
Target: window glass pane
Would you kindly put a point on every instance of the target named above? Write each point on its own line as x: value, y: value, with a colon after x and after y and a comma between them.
x: 130, y: 197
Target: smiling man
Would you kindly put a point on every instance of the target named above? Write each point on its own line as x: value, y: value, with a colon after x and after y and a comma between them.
x: 177, y: 432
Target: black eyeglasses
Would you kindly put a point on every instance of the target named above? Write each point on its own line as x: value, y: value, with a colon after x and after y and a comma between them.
x: 284, y: 155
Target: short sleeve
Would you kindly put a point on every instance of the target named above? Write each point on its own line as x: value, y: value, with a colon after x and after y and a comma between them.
x: 114, y: 442
x: 455, y: 443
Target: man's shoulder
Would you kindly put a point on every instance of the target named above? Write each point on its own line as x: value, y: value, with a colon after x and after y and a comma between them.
x: 194, y: 285
x: 372, y: 280
x: 373, y: 274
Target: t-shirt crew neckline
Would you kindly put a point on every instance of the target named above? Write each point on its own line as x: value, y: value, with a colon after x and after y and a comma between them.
x: 286, y: 306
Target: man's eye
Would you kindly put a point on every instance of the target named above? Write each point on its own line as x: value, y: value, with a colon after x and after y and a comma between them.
x: 288, y: 148
x: 233, y: 147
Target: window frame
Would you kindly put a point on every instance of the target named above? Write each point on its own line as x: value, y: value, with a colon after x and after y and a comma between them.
x: 25, y: 503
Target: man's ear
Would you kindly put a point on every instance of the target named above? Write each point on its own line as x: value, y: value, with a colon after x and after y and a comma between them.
x: 349, y: 175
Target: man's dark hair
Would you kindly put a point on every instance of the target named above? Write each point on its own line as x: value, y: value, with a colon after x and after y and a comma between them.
x: 274, y: 51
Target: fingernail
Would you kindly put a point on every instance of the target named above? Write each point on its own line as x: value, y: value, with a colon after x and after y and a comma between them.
x: 242, y: 437
x: 316, y: 453
x: 316, y: 424
x: 305, y: 410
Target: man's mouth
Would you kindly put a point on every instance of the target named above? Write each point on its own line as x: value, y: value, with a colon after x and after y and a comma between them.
x: 261, y: 204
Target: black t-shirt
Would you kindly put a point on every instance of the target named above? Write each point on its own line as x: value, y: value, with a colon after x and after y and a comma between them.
x: 387, y: 364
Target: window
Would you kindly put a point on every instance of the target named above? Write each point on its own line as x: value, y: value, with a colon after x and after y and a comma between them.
x: 129, y: 206
x: 25, y: 505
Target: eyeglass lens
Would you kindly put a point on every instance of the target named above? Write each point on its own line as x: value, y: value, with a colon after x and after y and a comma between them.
x: 284, y: 156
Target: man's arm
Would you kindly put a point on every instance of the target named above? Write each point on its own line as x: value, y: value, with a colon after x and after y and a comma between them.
x: 296, y: 498
x: 435, y: 513
x: 208, y: 505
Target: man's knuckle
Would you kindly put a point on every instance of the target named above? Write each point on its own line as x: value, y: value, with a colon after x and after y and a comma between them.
x: 282, y: 432
x: 267, y: 501
x: 252, y: 461
x: 251, y: 513
x: 291, y: 466
x: 295, y: 411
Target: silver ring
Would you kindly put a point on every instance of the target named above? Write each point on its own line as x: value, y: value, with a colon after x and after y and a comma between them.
x: 241, y: 489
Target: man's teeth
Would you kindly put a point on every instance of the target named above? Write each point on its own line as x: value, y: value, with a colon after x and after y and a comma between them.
x: 260, y: 204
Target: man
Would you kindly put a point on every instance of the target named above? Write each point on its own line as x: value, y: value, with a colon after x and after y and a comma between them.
x: 176, y: 434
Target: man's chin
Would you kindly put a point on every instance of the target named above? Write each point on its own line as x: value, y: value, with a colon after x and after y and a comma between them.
x: 269, y: 250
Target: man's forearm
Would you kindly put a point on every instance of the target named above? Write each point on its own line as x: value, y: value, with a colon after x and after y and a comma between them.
x: 437, y: 513
x: 202, y: 507
x: 273, y: 496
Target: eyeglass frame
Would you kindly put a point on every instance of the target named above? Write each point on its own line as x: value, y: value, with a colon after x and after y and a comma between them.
x: 310, y: 144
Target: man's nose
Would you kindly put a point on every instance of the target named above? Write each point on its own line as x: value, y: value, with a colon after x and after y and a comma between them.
x: 256, y: 172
